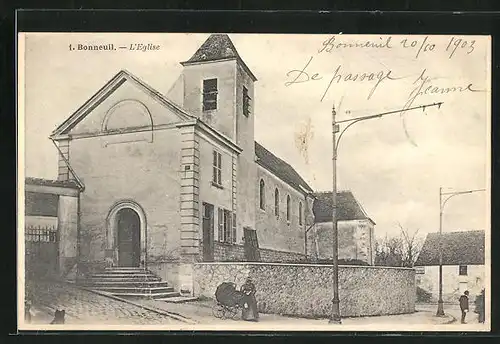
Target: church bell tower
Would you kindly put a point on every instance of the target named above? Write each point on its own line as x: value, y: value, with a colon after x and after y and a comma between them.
x: 218, y: 88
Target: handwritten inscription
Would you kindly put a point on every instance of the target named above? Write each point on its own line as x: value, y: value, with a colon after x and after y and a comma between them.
x: 458, y: 43
x: 411, y: 78
x: 423, y: 86
x: 332, y: 43
x: 418, y: 45
x: 303, y: 75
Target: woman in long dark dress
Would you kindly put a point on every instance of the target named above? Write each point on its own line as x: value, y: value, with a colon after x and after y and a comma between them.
x: 250, y: 311
x: 480, y: 307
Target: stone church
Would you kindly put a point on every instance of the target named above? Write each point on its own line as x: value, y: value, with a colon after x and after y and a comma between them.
x: 169, y: 180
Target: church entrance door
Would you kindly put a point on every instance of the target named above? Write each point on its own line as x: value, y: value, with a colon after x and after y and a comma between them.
x: 129, y: 238
x: 208, y: 232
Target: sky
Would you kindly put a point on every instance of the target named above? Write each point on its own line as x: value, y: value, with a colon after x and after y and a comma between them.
x: 394, y: 165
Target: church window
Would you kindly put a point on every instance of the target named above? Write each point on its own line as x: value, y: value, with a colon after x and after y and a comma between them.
x: 227, y: 226
x: 209, y: 94
x: 277, y: 203
x: 217, y: 168
x: 246, y: 102
x: 262, y: 190
x: 462, y: 270
x: 288, y: 210
x: 300, y: 213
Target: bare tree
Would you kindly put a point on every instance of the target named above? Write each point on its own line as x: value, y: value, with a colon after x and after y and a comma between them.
x: 388, y: 251
x: 411, y: 246
x: 400, y: 250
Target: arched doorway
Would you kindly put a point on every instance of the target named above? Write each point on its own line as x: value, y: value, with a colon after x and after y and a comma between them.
x: 126, y: 235
x: 129, y: 237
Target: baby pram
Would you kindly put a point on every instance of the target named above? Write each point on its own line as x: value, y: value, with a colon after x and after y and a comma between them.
x: 228, y: 301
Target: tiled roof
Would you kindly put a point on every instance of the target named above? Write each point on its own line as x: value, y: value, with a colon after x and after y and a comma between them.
x: 217, y: 47
x: 348, y: 207
x: 280, y: 168
x: 459, y: 248
x: 50, y: 182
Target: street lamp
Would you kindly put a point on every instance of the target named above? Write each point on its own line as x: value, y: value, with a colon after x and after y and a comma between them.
x: 335, y: 316
x: 440, y: 309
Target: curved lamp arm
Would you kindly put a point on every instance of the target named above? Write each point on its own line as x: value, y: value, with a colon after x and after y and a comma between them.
x: 349, y: 125
x: 456, y: 194
x: 359, y: 119
x: 447, y: 199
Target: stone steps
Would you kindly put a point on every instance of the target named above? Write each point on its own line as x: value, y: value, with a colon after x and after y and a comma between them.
x: 179, y: 299
x: 111, y: 278
x: 125, y: 284
x: 148, y: 295
x: 129, y: 282
x: 124, y: 270
x: 121, y: 275
x: 134, y: 289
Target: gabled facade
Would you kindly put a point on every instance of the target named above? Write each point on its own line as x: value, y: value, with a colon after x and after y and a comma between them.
x: 171, y: 180
x: 356, y: 236
x: 463, y: 259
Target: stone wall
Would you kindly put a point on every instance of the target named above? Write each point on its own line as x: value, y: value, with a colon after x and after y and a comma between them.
x: 306, y: 290
x: 229, y: 253
x: 168, y: 271
x: 236, y: 253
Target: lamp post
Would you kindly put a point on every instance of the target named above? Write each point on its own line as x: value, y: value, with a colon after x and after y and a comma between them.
x: 335, y: 315
x: 440, y: 309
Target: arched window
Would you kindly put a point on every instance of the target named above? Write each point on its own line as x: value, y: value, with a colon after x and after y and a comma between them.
x: 277, y: 203
x: 262, y: 190
x: 288, y: 201
x: 300, y: 213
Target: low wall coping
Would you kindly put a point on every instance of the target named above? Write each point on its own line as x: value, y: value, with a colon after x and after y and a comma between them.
x: 52, y: 189
x: 305, y: 265
x: 163, y: 261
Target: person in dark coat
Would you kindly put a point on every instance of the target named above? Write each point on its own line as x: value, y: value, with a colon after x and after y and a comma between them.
x: 250, y: 311
x: 464, y: 305
x: 27, y: 311
x: 59, y: 317
x: 480, y: 307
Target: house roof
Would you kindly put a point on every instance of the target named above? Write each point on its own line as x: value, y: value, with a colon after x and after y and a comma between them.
x: 348, y: 208
x: 459, y: 248
x: 217, y: 47
x: 49, y: 182
x: 280, y: 168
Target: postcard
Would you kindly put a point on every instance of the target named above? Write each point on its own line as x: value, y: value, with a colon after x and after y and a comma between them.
x: 284, y: 182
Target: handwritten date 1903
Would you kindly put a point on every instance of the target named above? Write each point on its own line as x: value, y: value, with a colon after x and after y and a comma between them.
x: 458, y: 43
